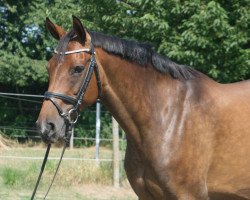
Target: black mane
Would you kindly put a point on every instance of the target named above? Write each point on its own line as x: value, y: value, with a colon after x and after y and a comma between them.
x: 130, y: 50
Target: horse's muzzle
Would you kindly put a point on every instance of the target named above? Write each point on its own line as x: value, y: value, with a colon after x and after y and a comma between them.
x: 48, y: 131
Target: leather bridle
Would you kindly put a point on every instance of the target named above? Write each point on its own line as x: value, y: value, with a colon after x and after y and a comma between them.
x: 71, y: 117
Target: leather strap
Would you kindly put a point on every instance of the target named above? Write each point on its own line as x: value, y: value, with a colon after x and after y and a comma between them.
x: 98, y: 79
x: 85, y: 84
x: 58, y: 165
x: 41, y: 171
x: 68, y: 99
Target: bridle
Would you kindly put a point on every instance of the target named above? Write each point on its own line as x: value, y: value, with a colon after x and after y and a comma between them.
x: 70, y: 117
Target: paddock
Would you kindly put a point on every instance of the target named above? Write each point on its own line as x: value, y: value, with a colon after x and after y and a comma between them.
x: 87, y: 170
x: 79, y: 173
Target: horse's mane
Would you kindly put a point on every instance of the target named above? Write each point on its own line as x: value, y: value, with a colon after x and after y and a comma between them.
x: 133, y: 51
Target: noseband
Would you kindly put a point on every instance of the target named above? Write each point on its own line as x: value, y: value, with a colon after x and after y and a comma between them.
x: 71, y: 117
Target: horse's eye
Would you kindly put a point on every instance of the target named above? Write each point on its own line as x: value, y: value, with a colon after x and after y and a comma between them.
x: 78, y: 69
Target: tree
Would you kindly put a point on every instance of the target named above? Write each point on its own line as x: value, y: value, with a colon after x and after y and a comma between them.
x: 211, y: 36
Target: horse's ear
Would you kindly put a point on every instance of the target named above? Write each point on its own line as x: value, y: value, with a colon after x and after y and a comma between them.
x: 79, y: 29
x: 56, y: 31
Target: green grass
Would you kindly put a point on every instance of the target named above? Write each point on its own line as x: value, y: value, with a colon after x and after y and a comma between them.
x: 18, y: 177
x: 12, y: 177
x: 22, y: 172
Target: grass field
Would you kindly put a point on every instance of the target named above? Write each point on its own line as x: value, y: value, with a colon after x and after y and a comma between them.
x: 75, y: 180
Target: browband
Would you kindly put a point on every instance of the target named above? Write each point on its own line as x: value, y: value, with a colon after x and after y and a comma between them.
x: 73, y: 51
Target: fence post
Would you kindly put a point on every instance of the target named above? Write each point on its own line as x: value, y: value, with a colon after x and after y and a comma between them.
x: 97, y: 131
x: 121, y: 142
x: 116, y: 171
x: 71, y: 142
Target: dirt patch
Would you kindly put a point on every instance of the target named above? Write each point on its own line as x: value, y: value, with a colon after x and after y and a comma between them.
x: 83, y: 192
x: 105, y: 192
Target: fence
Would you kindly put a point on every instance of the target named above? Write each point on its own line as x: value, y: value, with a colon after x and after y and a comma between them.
x: 116, y: 158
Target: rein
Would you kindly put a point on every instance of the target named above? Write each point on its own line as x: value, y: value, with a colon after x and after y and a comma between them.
x: 70, y: 117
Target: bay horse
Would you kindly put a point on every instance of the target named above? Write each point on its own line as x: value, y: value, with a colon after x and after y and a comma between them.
x: 188, y: 137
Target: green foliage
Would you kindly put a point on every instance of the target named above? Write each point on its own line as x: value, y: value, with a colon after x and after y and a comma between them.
x: 86, y: 127
x: 17, y: 116
x: 208, y: 35
x: 21, y: 71
x: 212, y: 36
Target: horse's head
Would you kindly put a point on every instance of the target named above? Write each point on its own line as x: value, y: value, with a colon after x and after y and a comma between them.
x: 70, y: 78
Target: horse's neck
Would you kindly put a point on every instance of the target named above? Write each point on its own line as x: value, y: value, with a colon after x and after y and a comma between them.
x: 135, y: 95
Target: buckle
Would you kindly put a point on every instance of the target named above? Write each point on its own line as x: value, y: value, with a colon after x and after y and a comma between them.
x: 73, y: 116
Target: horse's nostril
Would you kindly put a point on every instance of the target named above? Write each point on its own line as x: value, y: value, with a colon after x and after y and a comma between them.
x: 52, y: 126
